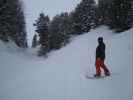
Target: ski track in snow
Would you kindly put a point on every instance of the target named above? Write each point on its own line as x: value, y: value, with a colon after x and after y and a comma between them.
x: 62, y: 75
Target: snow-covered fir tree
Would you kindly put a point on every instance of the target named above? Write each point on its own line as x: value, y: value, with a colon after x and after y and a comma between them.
x: 12, y: 22
x: 59, y: 31
x: 119, y: 14
x: 42, y: 24
x: 104, y: 7
x: 130, y: 16
x: 84, y: 16
x: 34, y: 41
x: 3, y: 26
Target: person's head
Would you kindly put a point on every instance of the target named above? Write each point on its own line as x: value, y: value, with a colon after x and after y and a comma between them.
x: 100, y: 40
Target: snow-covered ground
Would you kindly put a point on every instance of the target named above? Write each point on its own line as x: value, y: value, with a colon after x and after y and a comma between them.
x: 62, y: 76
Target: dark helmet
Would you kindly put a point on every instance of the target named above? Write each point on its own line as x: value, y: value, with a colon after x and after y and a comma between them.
x: 100, y: 39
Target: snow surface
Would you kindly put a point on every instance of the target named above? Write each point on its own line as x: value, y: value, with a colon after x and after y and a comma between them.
x: 62, y: 75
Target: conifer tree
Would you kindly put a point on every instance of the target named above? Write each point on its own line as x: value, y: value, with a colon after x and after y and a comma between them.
x: 34, y: 41
x: 12, y: 22
x: 42, y: 24
x: 104, y: 7
x: 119, y: 14
x: 59, y: 31
x: 84, y: 17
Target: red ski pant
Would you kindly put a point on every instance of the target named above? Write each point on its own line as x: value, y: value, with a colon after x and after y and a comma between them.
x: 100, y: 64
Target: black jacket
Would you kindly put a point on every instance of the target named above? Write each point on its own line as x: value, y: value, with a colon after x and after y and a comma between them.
x: 100, y: 51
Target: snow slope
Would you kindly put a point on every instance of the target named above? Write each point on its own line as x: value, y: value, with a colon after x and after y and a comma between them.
x: 61, y: 76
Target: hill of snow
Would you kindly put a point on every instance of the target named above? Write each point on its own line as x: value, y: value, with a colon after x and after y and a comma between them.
x: 62, y: 75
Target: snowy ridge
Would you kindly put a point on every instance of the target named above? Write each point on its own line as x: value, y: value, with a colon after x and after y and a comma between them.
x: 61, y: 76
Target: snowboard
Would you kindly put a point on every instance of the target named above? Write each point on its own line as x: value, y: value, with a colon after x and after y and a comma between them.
x: 93, y: 77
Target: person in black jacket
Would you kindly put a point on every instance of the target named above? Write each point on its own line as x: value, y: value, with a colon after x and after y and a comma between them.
x: 100, y: 57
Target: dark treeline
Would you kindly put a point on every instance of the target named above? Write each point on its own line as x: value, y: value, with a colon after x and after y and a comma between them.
x: 55, y: 33
x: 117, y: 14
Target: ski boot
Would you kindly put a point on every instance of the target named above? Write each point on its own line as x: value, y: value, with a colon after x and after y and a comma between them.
x: 107, y: 74
x: 97, y: 75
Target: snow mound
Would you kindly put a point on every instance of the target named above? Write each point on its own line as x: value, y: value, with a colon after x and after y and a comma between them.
x: 62, y: 75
